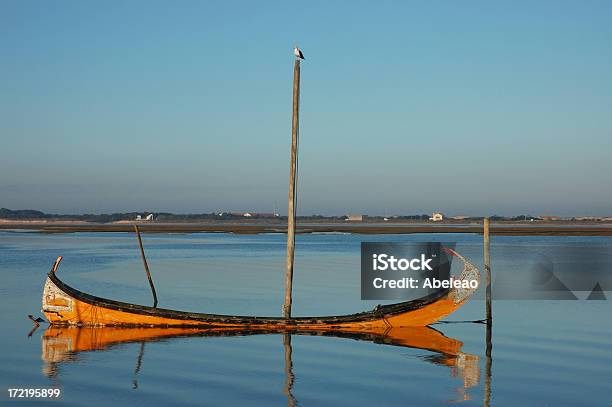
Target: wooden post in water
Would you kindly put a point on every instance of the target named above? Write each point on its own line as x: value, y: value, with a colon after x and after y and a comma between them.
x: 146, y: 266
x: 292, y: 192
x: 487, y: 268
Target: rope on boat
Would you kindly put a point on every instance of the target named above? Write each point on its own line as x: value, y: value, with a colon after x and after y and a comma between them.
x: 476, y: 321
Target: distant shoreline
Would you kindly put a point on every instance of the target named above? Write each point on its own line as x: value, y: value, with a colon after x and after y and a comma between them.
x: 553, y: 228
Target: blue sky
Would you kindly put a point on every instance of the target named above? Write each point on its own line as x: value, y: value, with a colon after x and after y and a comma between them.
x: 407, y: 107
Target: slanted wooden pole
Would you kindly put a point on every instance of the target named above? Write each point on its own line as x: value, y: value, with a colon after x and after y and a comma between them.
x: 292, y: 192
x: 146, y: 266
x: 487, y: 268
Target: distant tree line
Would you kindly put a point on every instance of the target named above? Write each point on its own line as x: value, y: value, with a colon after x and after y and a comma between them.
x: 30, y: 214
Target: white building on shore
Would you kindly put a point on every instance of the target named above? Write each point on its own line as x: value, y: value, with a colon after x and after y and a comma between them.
x: 148, y: 218
x: 354, y: 218
x: 437, y: 217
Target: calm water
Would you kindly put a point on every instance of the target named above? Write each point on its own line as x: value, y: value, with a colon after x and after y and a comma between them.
x: 544, y: 352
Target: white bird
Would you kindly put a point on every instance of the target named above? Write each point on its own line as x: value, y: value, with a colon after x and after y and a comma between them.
x: 298, y: 53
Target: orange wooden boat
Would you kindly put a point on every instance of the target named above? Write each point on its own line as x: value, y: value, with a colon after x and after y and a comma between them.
x: 65, y: 305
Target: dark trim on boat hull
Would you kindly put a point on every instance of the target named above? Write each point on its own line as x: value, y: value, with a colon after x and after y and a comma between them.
x: 384, y: 311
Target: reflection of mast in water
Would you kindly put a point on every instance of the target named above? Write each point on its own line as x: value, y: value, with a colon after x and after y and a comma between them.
x: 138, y: 364
x: 289, y: 376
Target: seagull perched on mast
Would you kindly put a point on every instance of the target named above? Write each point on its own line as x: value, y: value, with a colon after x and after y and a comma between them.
x: 298, y: 53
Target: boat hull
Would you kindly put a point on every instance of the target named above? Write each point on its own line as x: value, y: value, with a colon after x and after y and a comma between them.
x: 65, y: 305
x: 64, y: 308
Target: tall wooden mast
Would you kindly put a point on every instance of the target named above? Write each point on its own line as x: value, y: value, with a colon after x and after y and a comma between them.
x: 292, y: 191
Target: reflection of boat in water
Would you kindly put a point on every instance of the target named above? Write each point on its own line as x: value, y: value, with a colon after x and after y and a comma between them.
x: 65, y: 305
x: 63, y: 344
